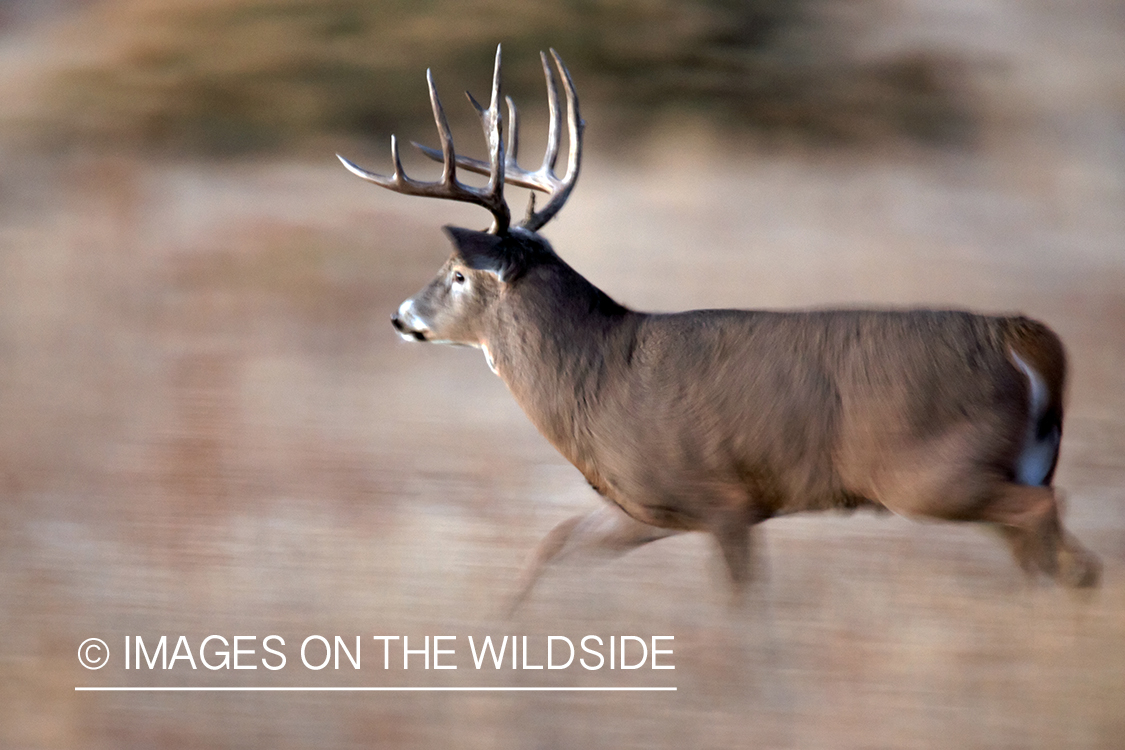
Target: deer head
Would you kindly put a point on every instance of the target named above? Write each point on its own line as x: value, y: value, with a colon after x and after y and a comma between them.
x: 455, y: 306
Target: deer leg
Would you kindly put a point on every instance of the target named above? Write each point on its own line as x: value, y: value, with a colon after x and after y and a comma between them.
x: 734, y: 543
x: 1078, y: 566
x: 607, y: 531
x: 1028, y: 517
x: 732, y: 530
x: 1018, y: 542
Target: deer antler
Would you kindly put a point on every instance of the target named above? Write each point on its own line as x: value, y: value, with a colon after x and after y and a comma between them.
x: 543, y: 179
x: 491, y: 196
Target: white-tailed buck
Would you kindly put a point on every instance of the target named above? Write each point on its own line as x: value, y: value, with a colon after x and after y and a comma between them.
x: 715, y: 420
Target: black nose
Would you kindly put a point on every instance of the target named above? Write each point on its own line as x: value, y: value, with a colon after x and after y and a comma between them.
x: 396, y: 321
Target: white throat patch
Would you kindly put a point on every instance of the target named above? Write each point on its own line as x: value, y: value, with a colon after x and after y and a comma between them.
x: 488, y: 358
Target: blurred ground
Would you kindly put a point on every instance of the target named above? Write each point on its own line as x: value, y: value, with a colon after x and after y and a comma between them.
x: 208, y: 426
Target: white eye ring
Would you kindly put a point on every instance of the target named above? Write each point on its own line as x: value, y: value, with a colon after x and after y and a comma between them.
x: 458, y: 277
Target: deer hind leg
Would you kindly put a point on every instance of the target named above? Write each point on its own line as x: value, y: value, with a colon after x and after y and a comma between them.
x: 606, y: 532
x: 943, y: 480
x: 1028, y: 517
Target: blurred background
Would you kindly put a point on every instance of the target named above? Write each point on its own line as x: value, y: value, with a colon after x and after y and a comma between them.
x: 207, y: 424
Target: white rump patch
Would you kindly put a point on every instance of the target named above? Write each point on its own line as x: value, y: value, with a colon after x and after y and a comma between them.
x: 1038, y: 454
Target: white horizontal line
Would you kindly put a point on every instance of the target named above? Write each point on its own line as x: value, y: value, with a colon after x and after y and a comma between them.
x: 215, y: 689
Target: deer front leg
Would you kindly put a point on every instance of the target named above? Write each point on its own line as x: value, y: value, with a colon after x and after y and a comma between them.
x: 733, y: 531
x: 607, y: 532
x: 734, y: 543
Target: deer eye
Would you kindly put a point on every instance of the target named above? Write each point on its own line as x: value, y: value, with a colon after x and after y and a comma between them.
x: 458, y: 277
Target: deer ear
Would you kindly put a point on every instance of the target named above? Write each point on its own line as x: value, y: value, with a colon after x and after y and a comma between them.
x: 484, y: 252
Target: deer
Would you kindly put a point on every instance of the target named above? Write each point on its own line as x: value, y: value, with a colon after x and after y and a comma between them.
x: 717, y: 420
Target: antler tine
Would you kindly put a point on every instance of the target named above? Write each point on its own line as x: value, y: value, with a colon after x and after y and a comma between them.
x: 399, y: 178
x: 575, y: 124
x: 510, y: 155
x: 445, y: 135
x: 490, y: 196
x: 560, y: 189
x: 554, y: 125
x: 492, y: 121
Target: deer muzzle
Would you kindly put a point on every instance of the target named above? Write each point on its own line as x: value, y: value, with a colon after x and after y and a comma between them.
x: 409, y: 325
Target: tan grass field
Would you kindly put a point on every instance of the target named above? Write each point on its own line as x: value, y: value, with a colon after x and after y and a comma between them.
x: 210, y: 427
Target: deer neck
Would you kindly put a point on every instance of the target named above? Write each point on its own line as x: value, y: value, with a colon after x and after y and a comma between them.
x: 559, y: 344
